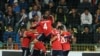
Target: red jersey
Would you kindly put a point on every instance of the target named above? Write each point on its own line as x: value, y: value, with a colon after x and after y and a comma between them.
x: 65, y: 41
x: 25, y: 42
x: 50, y: 18
x: 28, y: 36
x: 39, y: 46
x: 56, y: 44
x: 45, y: 26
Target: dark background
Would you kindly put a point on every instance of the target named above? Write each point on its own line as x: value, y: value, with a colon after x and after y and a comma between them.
x: 11, y: 53
x: 90, y: 54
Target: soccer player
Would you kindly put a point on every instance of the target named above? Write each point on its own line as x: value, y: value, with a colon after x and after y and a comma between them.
x: 45, y: 27
x: 65, y: 40
x: 25, y: 46
x: 27, y: 37
x: 38, y: 48
x: 34, y: 21
x: 55, y: 43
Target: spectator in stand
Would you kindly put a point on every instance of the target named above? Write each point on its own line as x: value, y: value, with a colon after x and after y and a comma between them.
x: 20, y: 34
x: 96, y: 7
x: 86, y: 18
x: 83, y: 5
x: 61, y: 15
x: 97, y: 35
x: 76, y: 36
x: 96, y: 19
x: 1, y: 26
x: 10, y: 1
x: 21, y: 39
x: 73, y: 35
x: 83, y: 1
x: 21, y: 20
x: 35, y: 11
x: 24, y: 4
x: 50, y: 6
x: 87, y: 36
x: 73, y: 3
x: 2, y: 5
x: 63, y: 3
x: 10, y: 43
x: 9, y: 18
x: 38, y: 3
x: 97, y: 16
x: 46, y: 2
x: 1, y: 16
x: 21, y: 31
x: 55, y: 1
x: 1, y: 31
x: 74, y: 18
x: 29, y: 2
x: 16, y: 7
x: 9, y: 32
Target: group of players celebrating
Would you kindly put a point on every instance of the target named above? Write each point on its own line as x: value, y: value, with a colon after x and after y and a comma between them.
x: 43, y: 32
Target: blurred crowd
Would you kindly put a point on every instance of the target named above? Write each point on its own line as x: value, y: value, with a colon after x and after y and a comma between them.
x: 80, y: 17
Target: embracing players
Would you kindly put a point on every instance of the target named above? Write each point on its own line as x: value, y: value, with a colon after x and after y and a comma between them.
x: 65, y: 40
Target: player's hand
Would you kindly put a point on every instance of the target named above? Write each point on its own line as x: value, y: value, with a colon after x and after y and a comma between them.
x: 35, y: 40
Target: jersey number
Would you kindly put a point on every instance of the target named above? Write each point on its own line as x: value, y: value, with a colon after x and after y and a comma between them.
x: 63, y: 40
x: 45, y: 26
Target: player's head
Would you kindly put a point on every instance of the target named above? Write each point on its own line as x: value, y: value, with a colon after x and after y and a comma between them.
x: 22, y: 28
x: 86, y: 11
x: 33, y: 29
x: 35, y: 17
x: 47, y: 13
x: 60, y: 10
x: 45, y: 17
x: 35, y: 7
x: 86, y: 29
x: 60, y: 28
x: 10, y: 39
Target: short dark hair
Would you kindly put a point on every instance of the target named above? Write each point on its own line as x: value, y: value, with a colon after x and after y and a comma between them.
x: 9, y: 37
x: 33, y: 27
x: 45, y: 17
x: 86, y: 9
x: 61, y: 27
x: 86, y: 27
x: 34, y: 15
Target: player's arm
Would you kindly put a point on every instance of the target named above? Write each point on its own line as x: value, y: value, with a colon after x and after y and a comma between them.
x: 53, y: 38
x: 35, y: 40
x: 25, y: 34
